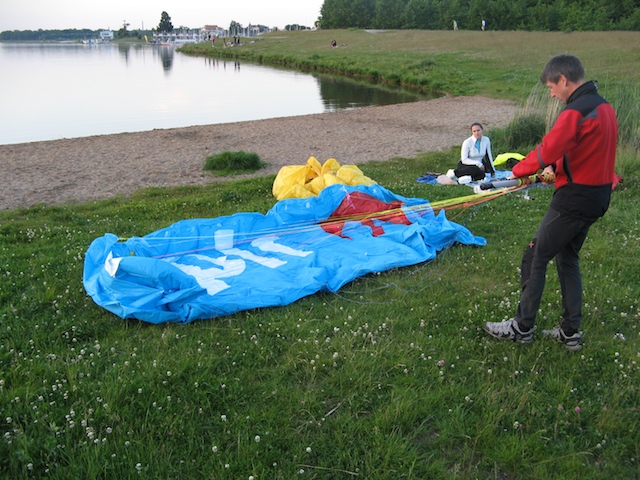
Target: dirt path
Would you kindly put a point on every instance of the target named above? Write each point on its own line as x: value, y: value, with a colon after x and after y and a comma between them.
x: 98, y: 167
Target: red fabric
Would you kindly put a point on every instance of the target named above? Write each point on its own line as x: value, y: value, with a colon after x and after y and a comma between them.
x: 356, y: 206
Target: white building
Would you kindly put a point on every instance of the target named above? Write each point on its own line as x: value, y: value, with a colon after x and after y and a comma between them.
x: 106, y: 35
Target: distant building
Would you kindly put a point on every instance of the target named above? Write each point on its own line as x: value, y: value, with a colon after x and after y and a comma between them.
x: 254, y: 30
x: 209, y: 31
x: 106, y: 35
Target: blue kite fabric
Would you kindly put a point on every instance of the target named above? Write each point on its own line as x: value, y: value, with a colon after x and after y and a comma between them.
x: 206, y: 268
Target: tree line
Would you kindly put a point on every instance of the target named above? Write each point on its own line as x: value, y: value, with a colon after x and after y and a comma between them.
x: 48, y: 35
x: 67, y: 35
x: 532, y: 15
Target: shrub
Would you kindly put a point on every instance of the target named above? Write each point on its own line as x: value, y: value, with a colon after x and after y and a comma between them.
x: 532, y: 120
x: 232, y: 162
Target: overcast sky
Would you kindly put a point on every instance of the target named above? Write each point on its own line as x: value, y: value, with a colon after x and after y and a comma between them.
x: 63, y: 14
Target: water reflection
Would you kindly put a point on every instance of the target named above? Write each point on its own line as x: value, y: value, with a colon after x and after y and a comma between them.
x: 340, y: 94
x: 166, y: 55
x: 123, y: 50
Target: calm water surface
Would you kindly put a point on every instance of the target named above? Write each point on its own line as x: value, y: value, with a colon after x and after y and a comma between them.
x: 54, y: 91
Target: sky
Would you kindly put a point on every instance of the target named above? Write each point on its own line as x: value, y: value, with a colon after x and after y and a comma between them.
x: 111, y: 14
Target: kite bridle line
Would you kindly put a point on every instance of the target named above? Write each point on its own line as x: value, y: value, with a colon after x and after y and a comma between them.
x: 461, y: 203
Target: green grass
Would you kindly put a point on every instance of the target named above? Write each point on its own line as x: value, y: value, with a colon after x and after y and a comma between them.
x: 390, y: 378
x: 495, y: 64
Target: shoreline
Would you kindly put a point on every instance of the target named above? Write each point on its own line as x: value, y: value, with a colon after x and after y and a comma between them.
x: 68, y: 171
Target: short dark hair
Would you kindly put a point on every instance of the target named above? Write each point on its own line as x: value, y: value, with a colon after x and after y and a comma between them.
x: 563, y: 64
x: 478, y: 124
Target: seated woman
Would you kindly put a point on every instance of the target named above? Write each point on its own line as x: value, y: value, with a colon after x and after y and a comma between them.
x: 476, y: 158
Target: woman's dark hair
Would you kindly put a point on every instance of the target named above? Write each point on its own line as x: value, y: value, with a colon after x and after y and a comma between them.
x: 478, y: 124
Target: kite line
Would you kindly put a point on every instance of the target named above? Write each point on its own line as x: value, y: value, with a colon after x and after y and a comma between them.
x: 482, y: 193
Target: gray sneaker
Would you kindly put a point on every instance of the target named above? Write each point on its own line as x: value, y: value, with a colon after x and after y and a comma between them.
x: 572, y: 342
x: 508, y: 330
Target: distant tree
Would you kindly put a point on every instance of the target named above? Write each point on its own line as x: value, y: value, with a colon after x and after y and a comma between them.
x: 165, y: 24
x: 545, y: 15
x: 389, y: 13
x: 295, y: 26
x: 347, y: 13
x: 123, y: 33
x: 422, y: 14
x: 235, y: 28
x: 48, y: 35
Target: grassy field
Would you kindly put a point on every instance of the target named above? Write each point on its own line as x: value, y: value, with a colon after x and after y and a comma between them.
x: 390, y: 378
x: 496, y: 64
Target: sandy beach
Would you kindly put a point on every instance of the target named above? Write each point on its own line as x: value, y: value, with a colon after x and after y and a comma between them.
x: 76, y: 170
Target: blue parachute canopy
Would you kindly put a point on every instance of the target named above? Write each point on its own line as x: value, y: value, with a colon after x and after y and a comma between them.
x: 205, y: 268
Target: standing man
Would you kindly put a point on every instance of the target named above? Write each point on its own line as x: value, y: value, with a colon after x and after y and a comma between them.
x: 581, y: 150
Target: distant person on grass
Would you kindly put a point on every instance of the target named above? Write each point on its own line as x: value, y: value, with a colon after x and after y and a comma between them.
x: 476, y: 159
x: 581, y: 149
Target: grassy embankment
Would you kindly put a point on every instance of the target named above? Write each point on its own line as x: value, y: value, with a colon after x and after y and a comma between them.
x: 495, y: 64
x: 391, y: 378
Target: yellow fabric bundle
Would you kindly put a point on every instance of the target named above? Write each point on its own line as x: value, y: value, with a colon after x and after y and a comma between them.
x: 303, y: 181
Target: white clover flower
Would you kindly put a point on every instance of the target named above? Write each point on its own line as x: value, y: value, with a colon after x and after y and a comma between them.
x: 257, y: 438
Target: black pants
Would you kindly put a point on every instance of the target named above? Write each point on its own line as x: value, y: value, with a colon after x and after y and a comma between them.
x: 558, y: 236
x: 475, y: 172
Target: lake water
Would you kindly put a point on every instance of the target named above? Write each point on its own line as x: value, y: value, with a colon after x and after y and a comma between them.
x: 54, y: 91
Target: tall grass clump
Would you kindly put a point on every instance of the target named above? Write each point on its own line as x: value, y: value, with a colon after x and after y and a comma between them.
x: 233, y: 162
x: 625, y: 99
x: 532, y: 120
